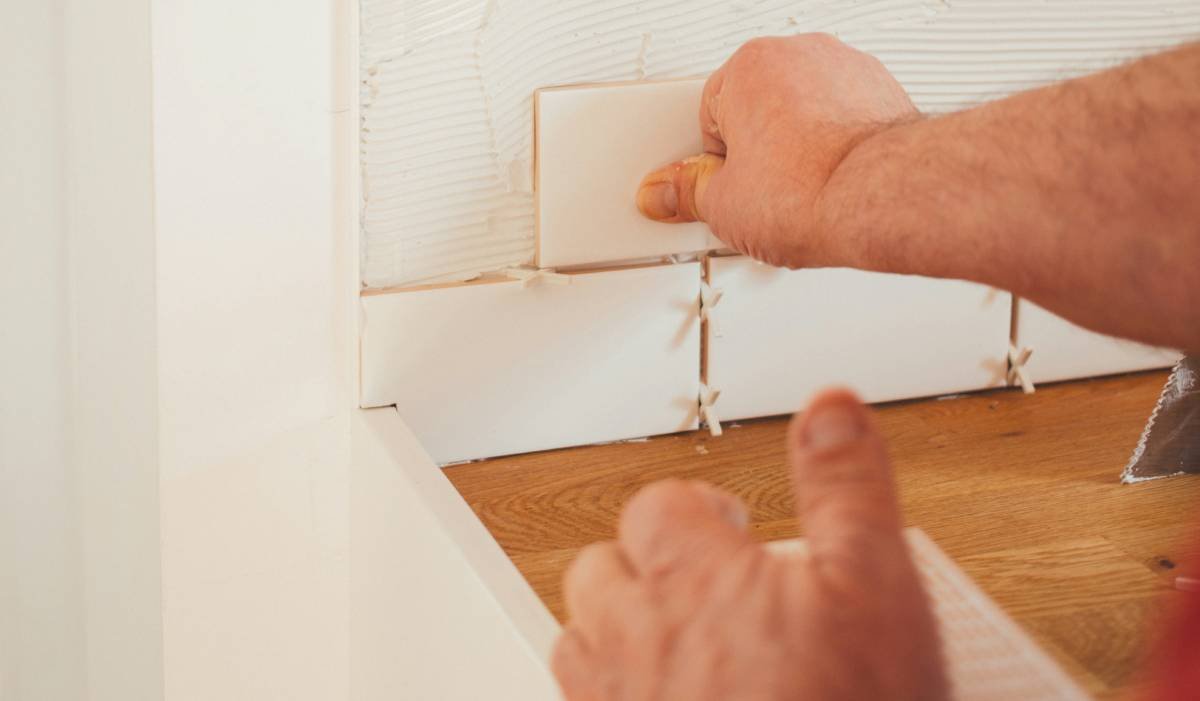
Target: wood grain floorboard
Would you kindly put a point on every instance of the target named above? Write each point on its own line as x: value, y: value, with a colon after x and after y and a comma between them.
x: 1021, y: 490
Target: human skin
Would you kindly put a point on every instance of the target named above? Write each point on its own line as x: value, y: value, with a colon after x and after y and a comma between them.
x: 1083, y: 197
x: 687, y: 605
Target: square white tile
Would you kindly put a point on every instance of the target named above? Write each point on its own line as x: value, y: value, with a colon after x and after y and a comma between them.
x: 594, y: 144
x: 777, y: 336
x: 1064, y: 351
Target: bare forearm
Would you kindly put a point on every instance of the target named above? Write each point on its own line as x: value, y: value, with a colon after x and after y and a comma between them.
x: 1084, y: 197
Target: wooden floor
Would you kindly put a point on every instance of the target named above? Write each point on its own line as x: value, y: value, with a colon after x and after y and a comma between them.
x: 1021, y: 490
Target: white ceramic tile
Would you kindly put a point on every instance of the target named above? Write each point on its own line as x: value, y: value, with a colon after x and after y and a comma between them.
x: 1064, y: 351
x: 594, y: 146
x: 493, y: 369
x: 778, y: 336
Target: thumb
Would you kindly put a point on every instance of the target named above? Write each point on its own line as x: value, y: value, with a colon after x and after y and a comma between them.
x: 676, y: 193
x: 672, y: 525
x: 844, y: 490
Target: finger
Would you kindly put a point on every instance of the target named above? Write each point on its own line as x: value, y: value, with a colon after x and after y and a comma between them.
x: 677, y: 192
x: 844, y: 490
x: 672, y: 525
x: 572, y: 667
x: 598, y: 572
x: 710, y: 113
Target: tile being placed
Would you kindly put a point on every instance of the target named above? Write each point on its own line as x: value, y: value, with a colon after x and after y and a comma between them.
x: 775, y: 337
x: 488, y: 369
x: 1064, y: 351
x: 593, y: 146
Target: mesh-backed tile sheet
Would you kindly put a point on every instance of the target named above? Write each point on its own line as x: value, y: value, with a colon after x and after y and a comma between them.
x: 987, y: 656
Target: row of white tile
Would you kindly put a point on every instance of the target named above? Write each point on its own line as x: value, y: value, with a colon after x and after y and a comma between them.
x: 1064, y: 351
x: 495, y: 368
x: 480, y: 370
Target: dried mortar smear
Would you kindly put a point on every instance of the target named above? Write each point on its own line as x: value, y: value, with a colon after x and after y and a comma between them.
x: 447, y: 87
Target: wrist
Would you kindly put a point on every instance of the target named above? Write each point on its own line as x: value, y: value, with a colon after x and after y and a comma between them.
x: 854, y: 217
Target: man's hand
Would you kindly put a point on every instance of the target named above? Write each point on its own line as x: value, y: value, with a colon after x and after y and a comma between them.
x: 686, y: 605
x: 1078, y: 196
x: 777, y: 120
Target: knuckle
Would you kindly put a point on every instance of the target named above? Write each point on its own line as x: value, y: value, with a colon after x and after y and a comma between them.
x: 579, y: 567
x: 756, y: 44
x: 651, y: 513
x: 560, y: 657
x: 661, y: 497
x: 566, y: 659
x: 591, y: 578
x: 860, y: 563
x: 757, y: 49
x: 650, y: 525
x: 821, y: 38
x: 841, y: 581
x: 863, y: 464
x: 590, y: 553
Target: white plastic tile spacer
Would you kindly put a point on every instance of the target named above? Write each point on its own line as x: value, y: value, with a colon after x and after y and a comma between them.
x: 1017, y: 360
x: 708, y: 398
x: 709, y: 298
x: 528, y: 276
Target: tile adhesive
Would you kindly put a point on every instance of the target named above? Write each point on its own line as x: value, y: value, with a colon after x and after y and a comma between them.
x: 447, y: 86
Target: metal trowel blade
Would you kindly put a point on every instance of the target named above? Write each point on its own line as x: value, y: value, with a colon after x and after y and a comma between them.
x: 1170, y: 443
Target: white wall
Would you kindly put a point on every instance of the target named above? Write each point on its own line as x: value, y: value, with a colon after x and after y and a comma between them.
x: 79, y: 609
x: 41, y: 608
x: 256, y: 289
x: 178, y: 349
x: 145, y: 351
x: 109, y: 204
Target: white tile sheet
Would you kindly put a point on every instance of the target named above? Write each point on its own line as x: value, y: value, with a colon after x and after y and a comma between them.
x: 776, y: 336
x: 1064, y: 351
x: 987, y: 656
x: 594, y: 146
x: 482, y: 370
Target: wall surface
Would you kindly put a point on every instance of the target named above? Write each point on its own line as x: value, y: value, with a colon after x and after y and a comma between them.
x: 177, y: 230
x: 79, y: 595
x: 114, y: 355
x: 447, y: 88
x: 41, y: 606
x: 260, y: 443
x: 255, y: 285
